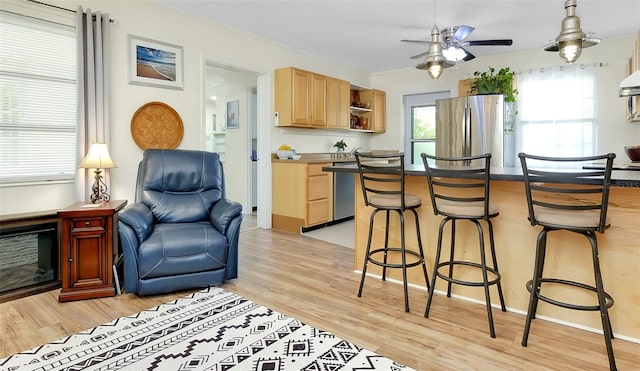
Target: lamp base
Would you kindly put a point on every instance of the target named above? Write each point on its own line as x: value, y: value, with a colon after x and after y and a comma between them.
x: 99, y: 189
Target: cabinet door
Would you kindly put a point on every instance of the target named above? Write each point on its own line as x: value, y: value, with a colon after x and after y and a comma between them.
x: 379, y: 111
x: 344, y: 101
x: 332, y: 102
x: 88, y: 253
x: 318, y: 100
x: 300, y: 96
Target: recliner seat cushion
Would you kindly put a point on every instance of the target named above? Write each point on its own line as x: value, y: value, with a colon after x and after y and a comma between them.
x: 180, y: 248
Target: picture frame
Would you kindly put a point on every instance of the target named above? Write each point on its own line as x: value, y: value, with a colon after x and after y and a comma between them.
x: 232, y: 115
x: 154, y: 63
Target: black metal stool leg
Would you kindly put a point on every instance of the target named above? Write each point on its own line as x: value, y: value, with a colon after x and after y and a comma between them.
x: 366, y: 254
x: 541, y: 246
x: 452, y: 253
x: 424, y: 263
x: 403, y: 253
x: 604, y: 312
x: 386, y: 246
x: 485, y: 278
x: 435, y: 266
x: 495, y: 265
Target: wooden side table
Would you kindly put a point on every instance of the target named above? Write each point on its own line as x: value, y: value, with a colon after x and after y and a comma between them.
x: 87, y: 246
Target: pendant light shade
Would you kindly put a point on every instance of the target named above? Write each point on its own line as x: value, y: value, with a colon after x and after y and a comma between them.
x: 435, y: 61
x: 571, y: 39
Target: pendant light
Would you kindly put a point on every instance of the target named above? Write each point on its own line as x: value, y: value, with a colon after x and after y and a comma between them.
x: 571, y: 39
x: 435, y: 61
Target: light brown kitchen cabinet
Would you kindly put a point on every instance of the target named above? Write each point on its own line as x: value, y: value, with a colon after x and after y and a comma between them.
x: 300, y: 98
x: 301, y: 195
x: 88, y: 241
x: 338, y: 101
x: 378, y: 106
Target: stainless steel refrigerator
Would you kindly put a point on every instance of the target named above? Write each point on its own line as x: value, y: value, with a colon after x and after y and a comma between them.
x: 472, y: 125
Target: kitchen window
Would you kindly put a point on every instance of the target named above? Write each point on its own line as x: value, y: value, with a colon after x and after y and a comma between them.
x: 557, y: 112
x: 420, y: 124
x: 38, y: 100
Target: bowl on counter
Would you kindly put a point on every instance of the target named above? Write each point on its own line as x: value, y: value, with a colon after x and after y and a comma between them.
x: 283, y: 154
x: 633, y: 152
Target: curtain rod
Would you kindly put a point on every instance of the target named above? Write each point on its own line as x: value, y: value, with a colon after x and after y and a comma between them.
x: 65, y: 9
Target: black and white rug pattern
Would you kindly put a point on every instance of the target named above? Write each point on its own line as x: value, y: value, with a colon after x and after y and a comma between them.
x: 212, y: 329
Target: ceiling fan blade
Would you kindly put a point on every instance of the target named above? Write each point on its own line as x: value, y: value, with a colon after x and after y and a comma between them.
x: 462, y: 32
x: 415, y: 41
x: 505, y: 42
x: 469, y: 56
x: 420, y: 55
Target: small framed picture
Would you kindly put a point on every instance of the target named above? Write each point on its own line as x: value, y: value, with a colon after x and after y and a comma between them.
x: 232, y: 115
x: 154, y: 63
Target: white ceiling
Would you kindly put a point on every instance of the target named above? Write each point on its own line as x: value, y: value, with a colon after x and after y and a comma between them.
x: 367, y: 34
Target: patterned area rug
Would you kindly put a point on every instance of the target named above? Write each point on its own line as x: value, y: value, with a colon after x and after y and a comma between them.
x: 212, y: 329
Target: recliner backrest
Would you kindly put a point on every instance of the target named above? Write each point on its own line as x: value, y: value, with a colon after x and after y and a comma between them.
x: 180, y: 185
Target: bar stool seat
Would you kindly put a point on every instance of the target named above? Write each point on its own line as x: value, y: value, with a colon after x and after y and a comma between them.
x: 562, y: 196
x: 459, y: 190
x: 382, y: 183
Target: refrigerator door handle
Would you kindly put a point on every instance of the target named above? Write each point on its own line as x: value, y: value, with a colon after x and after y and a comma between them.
x: 467, y: 134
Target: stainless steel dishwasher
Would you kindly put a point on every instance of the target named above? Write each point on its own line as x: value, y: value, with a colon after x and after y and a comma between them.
x: 343, y: 194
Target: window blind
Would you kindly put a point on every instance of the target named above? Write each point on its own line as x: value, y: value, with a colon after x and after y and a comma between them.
x: 37, y: 100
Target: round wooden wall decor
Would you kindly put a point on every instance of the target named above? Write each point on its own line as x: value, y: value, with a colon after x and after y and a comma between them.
x: 156, y: 125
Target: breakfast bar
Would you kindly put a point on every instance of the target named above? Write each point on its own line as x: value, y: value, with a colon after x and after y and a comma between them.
x: 619, y: 249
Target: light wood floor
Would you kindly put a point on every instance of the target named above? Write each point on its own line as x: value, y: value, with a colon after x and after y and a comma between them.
x: 314, y: 281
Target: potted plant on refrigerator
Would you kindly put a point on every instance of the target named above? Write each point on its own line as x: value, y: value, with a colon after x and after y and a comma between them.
x: 489, y: 82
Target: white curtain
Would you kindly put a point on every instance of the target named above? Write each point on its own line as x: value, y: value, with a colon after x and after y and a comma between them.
x: 557, y: 111
x: 93, y: 91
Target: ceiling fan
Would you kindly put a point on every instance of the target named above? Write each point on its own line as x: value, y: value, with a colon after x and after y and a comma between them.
x: 453, y: 43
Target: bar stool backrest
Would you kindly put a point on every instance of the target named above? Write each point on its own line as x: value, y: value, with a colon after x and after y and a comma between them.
x: 382, y: 180
x: 561, y: 195
x: 459, y: 186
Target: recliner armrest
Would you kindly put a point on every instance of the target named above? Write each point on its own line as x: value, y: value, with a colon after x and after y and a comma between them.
x: 223, y: 212
x: 139, y: 218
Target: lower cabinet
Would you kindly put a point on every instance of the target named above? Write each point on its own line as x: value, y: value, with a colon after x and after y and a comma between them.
x: 88, y: 241
x: 301, y: 195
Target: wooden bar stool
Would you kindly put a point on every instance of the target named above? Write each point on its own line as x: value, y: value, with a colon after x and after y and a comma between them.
x: 459, y: 189
x: 558, y: 197
x: 382, y: 183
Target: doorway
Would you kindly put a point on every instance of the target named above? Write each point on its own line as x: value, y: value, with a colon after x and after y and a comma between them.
x: 237, y: 144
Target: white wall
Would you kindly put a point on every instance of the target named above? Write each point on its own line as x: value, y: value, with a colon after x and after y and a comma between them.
x: 613, y: 129
x: 201, y: 41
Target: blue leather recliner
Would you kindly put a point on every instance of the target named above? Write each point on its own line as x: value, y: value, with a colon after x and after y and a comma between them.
x: 181, y: 232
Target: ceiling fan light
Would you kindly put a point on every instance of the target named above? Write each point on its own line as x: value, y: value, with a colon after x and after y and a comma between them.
x: 454, y: 54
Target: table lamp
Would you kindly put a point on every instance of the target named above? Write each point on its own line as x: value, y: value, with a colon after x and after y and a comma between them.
x: 98, y: 158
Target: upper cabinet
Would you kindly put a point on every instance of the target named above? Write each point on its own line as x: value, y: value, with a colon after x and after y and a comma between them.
x: 309, y: 100
x: 372, y: 111
x: 338, y: 100
x: 300, y: 98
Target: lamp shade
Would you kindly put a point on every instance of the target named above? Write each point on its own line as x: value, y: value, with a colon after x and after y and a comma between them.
x: 97, y: 157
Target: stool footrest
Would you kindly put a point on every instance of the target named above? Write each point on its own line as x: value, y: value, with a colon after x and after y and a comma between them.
x: 467, y: 283
x: 394, y: 265
x: 608, y: 298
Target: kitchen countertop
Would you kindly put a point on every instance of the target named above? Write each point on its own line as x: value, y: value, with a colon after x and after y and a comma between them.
x: 619, y: 178
x: 311, y: 158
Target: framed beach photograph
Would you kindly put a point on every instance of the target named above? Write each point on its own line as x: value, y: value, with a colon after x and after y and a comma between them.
x: 154, y: 63
x: 232, y: 115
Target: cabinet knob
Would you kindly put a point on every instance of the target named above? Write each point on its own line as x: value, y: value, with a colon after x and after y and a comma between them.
x: 87, y: 224
x: 70, y: 260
